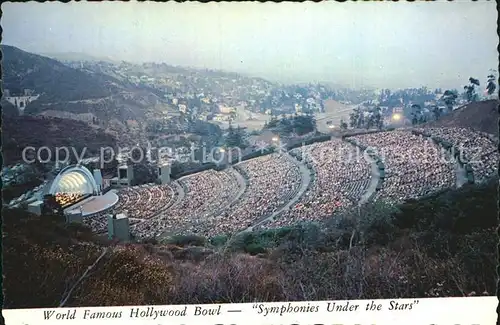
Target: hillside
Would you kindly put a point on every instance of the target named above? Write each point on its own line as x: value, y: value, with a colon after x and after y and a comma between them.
x: 435, y: 247
x: 8, y: 109
x: 48, y: 77
x: 480, y: 116
x: 63, y: 88
x: 75, y: 56
x: 23, y: 131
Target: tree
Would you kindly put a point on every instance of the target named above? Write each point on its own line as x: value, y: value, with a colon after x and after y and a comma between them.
x: 417, y: 109
x: 436, y: 111
x: 449, y: 97
x: 414, y: 119
x: 416, y: 113
x: 380, y: 123
x: 51, y: 206
x: 359, y: 118
x: 377, y: 117
x: 234, y: 137
x: 285, y: 126
x: 490, y: 84
x: 353, y: 118
x: 468, y: 92
x: 369, y: 121
x: 470, y: 89
x: 303, y: 124
x: 273, y: 122
x: 343, y: 125
x: 474, y: 81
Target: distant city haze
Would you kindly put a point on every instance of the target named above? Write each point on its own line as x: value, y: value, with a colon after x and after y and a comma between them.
x: 352, y: 44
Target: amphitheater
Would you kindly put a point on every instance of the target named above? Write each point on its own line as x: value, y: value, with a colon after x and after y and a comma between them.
x: 75, y: 188
x: 309, y: 183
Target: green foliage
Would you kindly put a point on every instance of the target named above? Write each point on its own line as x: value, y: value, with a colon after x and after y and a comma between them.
x: 303, y: 234
x: 186, y: 240
x: 376, y: 223
x: 219, y: 240
x: 452, y: 211
x: 298, y: 124
x: 150, y: 240
x: 449, y: 98
x: 254, y: 249
x: 491, y: 84
x: 235, y: 137
x: 156, y: 126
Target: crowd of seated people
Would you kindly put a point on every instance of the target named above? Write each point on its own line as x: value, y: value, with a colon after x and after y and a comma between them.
x: 474, y: 147
x: 486, y: 166
x: 414, y: 165
x: 341, y: 175
x: 211, y: 207
x: 99, y: 222
x: 206, y: 194
x: 228, y: 179
x: 139, y: 203
x: 144, y: 201
x: 66, y: 199
x: 273, y: 180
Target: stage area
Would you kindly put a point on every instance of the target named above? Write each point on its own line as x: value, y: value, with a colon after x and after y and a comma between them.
x: 96, y: 204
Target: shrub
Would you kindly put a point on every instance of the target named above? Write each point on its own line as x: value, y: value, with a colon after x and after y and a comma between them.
x: 376, y: 223
x: 219, y: 240
x: 187, y: 240
x: 150, y: 240
x: 254, y: 249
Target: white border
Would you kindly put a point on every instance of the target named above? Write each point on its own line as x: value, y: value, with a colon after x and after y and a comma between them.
x: 439, y: 311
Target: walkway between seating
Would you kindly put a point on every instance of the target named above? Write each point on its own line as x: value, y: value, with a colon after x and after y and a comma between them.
x: 305, y: 180
x: 180, y: 193
x: 372, y: 188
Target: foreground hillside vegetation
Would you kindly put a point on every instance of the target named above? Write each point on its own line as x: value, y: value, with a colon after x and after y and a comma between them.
x: 444, y: 245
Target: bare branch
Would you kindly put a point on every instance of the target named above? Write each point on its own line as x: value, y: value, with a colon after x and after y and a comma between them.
x: 65, y: 299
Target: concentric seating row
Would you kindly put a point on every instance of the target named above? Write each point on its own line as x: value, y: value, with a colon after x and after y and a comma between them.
x: 474, y: 147
x: 335, y: 164
x: 145, y: 201
x: 206, y: 194
x: 414, y: 166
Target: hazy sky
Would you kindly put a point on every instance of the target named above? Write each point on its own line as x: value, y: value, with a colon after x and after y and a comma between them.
x: 357, y: 44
